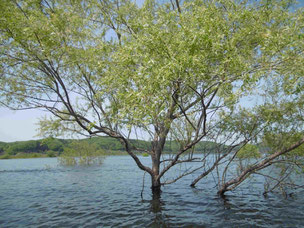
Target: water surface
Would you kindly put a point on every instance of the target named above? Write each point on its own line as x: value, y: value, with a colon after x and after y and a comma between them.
x: 39, y: 193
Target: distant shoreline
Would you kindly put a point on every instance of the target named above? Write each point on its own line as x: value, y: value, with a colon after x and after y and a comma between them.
x: 41, y: 155
x: 54, y: 147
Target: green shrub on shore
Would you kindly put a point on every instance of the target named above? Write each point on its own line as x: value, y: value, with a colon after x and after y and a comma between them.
x: 5, y: 156
x: 23, y: 155
x: 51, y: 153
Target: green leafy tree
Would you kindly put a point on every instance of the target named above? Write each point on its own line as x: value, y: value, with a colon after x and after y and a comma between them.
x: 118, y: 69
x: 277, y: 127
x: 249, y: 151
x: 2, y: 146
x: 23, y: 147
x: 52, y: 144
x: 81, y: 153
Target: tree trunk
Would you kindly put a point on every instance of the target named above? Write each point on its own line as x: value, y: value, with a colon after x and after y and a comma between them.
x: 156, y: 186
x: 233, y: 183
x: 156, y: 190
x: 222, y: 191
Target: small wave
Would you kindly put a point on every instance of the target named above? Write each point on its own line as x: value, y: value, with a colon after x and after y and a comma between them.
x: 28, y: 170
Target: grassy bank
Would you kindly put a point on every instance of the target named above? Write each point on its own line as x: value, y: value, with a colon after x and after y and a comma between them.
x: 24, y: 155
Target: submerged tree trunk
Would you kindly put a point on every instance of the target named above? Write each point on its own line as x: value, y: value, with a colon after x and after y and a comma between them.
x: 157, y: 149
x: 155, y: 185
x: 156, y: 189
x: 233, y: 183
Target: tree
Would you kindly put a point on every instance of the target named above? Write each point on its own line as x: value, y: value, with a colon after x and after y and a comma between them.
x: 81, y: 153
x: 23, y: 146
x: 281, y: 137
x: 52, y: 144
x: 157, y: 71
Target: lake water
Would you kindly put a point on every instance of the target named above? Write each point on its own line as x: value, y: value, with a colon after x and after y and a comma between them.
x: 39, y: 193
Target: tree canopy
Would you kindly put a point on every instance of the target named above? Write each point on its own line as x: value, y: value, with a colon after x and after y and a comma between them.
x: 175, y: 70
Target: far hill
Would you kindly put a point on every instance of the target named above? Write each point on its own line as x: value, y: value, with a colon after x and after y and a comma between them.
x: 53, y: 146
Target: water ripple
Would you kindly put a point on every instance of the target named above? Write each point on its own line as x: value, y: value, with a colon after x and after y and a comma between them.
x: 109, y: 196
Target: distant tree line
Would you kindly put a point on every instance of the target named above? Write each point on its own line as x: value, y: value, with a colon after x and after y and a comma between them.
x: 53, y: 146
